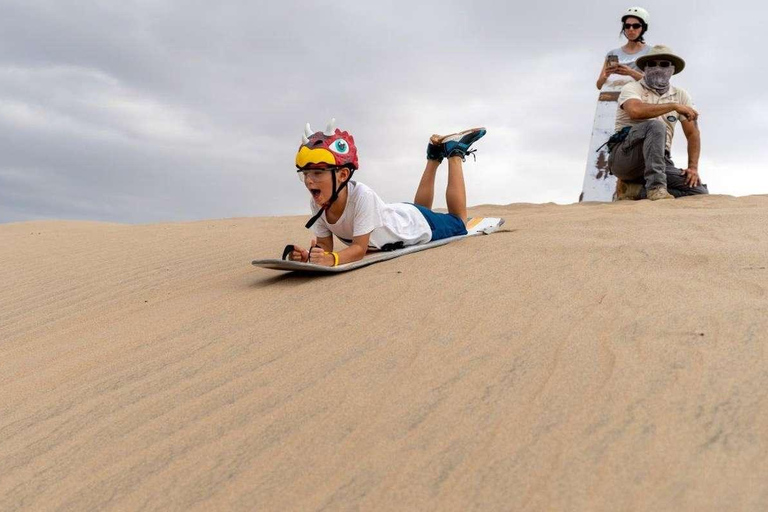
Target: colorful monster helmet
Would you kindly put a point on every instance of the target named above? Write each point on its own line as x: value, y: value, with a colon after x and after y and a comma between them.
x: 328, y: 149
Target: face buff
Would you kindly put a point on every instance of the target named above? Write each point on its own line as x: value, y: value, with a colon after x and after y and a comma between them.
x: 657, y: 78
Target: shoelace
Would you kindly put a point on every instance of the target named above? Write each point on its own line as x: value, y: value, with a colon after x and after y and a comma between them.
x: 470, y: 152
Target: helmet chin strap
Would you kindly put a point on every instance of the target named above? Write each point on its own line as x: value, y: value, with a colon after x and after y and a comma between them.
x: 333, y: 198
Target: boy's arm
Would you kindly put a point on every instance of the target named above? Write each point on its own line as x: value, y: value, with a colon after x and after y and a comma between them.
x: 326, y: 242
x: 354, y: 252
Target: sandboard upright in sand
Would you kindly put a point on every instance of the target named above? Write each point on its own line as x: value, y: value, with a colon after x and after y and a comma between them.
x: 599, y: 184
x: 475, y: 226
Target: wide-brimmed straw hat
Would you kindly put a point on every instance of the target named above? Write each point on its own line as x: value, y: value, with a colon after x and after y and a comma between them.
x: 661, y: 52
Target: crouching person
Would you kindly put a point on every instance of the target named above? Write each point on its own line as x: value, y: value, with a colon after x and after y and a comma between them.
x: 645, y: 124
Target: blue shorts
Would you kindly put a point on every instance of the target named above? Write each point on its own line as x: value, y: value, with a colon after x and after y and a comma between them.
x: 443, y: 225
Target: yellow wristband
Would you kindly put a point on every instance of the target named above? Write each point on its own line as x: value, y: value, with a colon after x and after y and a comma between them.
x: 335, y: 257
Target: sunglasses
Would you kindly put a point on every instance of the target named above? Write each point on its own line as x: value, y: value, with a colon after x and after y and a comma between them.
x: 632, y: 25
x: 660, y: 63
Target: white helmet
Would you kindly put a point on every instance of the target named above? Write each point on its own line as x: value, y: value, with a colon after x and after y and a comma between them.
x: 637, y: 12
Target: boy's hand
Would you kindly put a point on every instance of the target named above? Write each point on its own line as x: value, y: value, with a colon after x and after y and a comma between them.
x: 299, y: 254
x: 318, y: 256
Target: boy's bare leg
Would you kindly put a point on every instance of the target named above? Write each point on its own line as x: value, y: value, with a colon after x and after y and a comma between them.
x: 456, y: 192
x: 425, y: 194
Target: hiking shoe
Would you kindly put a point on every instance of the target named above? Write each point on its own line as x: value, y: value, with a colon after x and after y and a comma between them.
x: 628, y: 191
x: 458, y: 144
x: 659, y: 193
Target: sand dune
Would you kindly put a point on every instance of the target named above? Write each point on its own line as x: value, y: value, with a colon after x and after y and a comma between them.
x: 587, y: 357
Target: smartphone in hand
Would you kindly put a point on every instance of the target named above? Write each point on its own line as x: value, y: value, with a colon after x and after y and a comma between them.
x: 611, y: 61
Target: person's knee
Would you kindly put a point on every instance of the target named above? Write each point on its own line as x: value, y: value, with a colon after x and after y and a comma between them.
x: 655, y: 126
x: 678, y: 187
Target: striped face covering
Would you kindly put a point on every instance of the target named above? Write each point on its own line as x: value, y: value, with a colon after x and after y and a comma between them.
x: 657, y: 78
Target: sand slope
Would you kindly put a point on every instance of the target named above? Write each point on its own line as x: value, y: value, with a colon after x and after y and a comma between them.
x: 588, y: 357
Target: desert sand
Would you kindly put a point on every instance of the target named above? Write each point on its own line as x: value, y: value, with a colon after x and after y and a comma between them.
x: 586, y: 357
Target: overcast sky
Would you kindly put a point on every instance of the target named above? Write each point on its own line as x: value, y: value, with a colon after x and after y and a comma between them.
x: 146, y: 111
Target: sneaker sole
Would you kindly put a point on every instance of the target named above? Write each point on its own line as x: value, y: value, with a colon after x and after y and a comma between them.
x: 458, y: 136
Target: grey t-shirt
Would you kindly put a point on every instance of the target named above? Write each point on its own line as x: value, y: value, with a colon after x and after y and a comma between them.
x: 628, y: 59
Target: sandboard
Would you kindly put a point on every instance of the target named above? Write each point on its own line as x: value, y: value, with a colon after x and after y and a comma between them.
x: 475, y: 226
x: 599, y: 184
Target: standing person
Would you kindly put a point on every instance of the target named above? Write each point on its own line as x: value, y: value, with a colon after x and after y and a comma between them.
x: 634, y: 25
x: 618, y: 69
x: 646, y: 118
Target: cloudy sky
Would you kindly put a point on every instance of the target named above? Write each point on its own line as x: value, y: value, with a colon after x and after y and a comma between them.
x: 146, y: 111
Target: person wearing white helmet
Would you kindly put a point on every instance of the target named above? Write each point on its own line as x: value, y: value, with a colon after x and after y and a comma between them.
x: 621, y: 61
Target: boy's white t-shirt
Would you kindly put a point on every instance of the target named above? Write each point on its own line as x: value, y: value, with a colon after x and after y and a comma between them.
x: 365, y: 212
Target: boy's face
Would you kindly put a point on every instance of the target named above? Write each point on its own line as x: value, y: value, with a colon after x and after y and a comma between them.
x: 320, y: 183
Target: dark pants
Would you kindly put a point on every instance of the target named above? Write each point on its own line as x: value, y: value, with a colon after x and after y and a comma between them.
x: 642, y: 158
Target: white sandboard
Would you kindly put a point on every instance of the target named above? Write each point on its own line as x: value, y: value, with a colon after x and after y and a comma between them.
x: 475, y: 226
x: 599, y: 184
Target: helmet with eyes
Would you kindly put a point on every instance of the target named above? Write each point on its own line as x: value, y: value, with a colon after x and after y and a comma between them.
x: 328, y: 149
